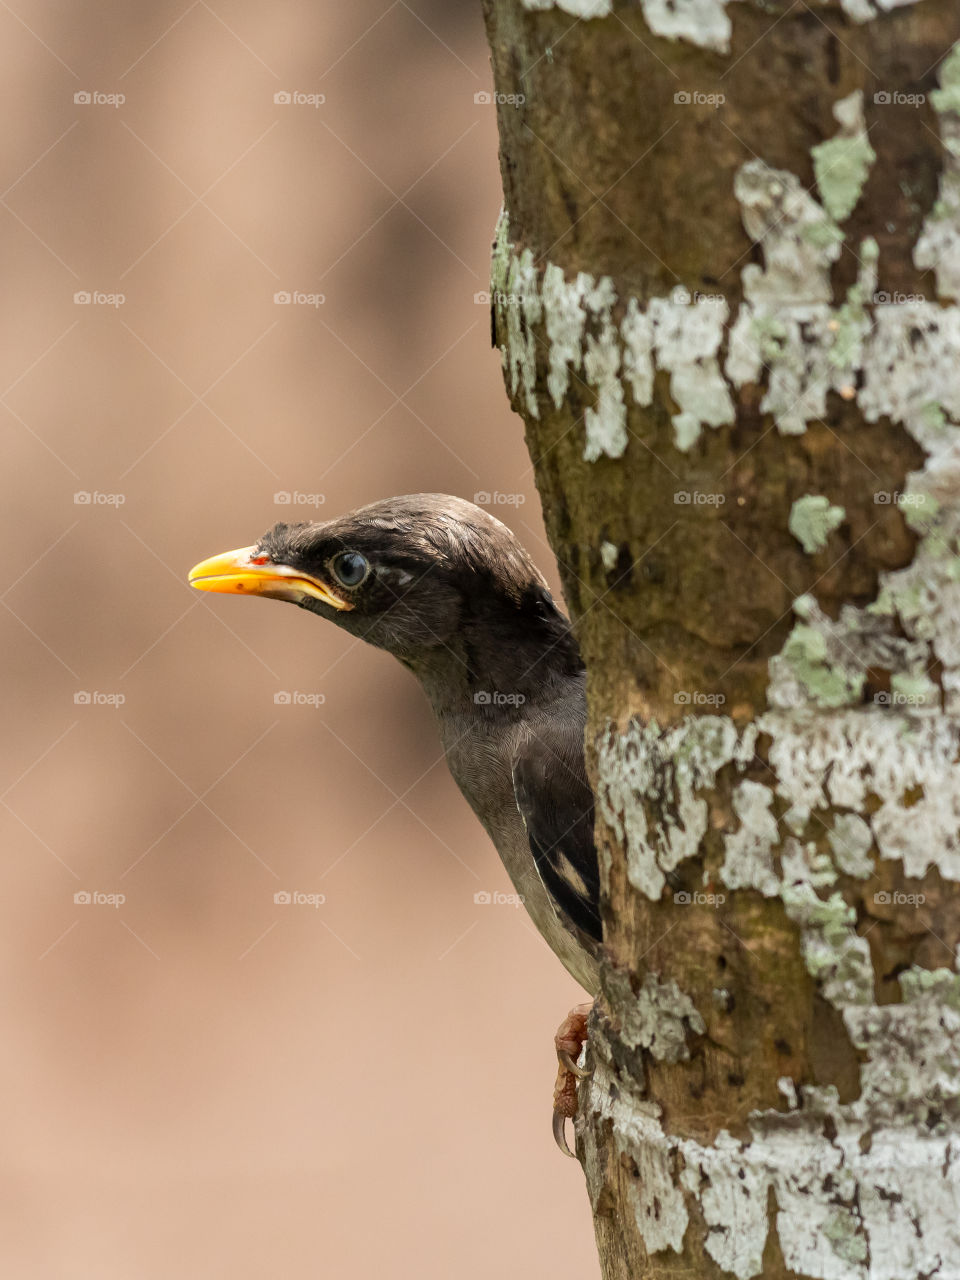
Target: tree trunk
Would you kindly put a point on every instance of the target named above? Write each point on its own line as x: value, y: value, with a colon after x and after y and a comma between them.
x: 724, y: 288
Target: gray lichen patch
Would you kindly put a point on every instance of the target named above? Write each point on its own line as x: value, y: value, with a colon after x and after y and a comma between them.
x: 749, y: 851
x: 938, y: 247
x: 700, y: 22
x: 812, y: 519
x: 862, y: 1189
x: 704, y: 23
x: 578, y: 8
x: 815, y: 667
x: 840, y: 759
x: 637, y: 359
x: 866, y: 10
x: 733, y: 1200
x: 824, y: 661
x: 851, y: 841
x: 609, y: 556
x: 842, y: 163
x: 913, y: 1052
x: 909, y: 370
x: 687, y: 339
x: 848, y: 1208
x: 605, y: 421
x: 657, y: 1019
x: 649, y: 781
x: 786, y: 324
x: 518, y: 302
x: 584, y: 340
x: 804, y: 863
x: 563, y: 305
x: 799, y: 239
x: 833, y: 952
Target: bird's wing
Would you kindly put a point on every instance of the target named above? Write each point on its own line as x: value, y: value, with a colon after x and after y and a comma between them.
x: 556, y: 804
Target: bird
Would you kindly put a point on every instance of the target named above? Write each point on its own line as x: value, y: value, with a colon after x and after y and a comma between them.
x: 448, y: 589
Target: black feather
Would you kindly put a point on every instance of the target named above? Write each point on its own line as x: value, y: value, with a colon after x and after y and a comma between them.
x: 556, y: 804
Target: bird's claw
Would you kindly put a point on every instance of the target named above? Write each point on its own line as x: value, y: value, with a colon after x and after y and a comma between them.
x: 560, y: 1134
x: 570, y: 1039
x: 568, y: 1064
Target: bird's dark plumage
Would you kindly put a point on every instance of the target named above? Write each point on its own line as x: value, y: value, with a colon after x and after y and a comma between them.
x: 451, y: 593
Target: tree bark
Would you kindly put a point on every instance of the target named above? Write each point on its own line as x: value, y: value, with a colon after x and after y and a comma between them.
x: 725, y: 290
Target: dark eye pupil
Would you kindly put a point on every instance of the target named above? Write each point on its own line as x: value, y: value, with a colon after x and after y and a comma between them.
x: 350, y: 568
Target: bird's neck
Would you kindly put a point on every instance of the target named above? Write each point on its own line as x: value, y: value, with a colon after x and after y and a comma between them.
x: 500, y: 670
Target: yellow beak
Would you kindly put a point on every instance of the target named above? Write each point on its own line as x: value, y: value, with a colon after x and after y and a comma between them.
x: 236, y: 573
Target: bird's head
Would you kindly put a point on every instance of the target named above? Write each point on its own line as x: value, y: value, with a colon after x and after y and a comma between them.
x: 416, y: 575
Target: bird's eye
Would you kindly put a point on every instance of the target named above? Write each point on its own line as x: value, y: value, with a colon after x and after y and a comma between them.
x: 350, y: 568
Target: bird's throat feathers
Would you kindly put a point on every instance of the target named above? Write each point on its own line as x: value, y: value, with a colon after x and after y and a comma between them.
x: 505, y: 655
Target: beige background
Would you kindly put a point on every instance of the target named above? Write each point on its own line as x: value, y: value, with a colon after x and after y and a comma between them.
x: 199, y: 1082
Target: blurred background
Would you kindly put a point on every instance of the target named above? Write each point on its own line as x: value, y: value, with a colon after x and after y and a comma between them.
x: 240, y: 251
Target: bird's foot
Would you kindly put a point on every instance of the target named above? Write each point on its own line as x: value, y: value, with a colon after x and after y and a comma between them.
x: 570, y: 1039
